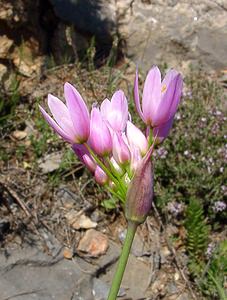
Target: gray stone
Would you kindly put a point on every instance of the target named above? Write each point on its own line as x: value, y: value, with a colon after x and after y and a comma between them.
x: 30, y: 274
x: 175, y: 31
x: 50, y: 162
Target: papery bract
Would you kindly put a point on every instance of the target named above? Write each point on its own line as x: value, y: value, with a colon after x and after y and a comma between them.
x: 115, y: 112
x: 140, y: 191
x: 100, y: 138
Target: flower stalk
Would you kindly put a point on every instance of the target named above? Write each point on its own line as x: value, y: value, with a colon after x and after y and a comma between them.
x: 131, y: 230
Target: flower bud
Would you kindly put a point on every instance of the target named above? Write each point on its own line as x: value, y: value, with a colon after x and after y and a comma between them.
x: 100, y: 176
x: 140, y: 191
x: 100, y: 137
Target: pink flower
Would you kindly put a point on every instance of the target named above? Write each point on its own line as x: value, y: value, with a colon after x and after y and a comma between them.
x: 136, y: 138
x: 100, y: 138
x: 115, y: 112
x: 160, y: 99
x: 72, y: 120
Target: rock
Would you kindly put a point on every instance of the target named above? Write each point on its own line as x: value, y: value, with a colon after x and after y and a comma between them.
x: 6, y: 44
x: 50, y: 162
x: 68, y: 199
x: 139, y: 247
x: 100, y: 290
x: 93, y: 243
x: 79, y: 221
x: 174, y: 32
x: 135, y: 278
x: 30, y: 274
x: 6, y: 11
x: 19, y: 134
x: 67, y: 253
x: 184, y: 296
x: 164, y: 253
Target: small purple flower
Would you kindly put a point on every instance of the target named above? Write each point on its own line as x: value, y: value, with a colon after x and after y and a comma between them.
x: 210, y: 250
x: 175, y: 208
x: 219, y: 206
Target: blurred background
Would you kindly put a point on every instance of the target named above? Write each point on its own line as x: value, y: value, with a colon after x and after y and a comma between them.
x: 50, y: 205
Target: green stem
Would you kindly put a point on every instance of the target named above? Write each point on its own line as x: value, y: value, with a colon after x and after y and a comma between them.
x: 132, y: 226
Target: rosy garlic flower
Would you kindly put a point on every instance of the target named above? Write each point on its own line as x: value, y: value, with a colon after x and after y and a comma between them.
x: 114, y: 149
x: 160, y: 100
x: 106, y: 141
x: 72, y: 120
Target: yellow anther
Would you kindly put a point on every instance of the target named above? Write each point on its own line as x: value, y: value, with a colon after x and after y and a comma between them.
x: 163, y: 88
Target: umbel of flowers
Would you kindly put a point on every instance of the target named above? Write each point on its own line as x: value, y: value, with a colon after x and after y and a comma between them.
x: 114, y: 149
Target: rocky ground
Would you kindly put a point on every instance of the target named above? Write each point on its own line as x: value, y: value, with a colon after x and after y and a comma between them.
x: 55, y: 235
x: 57, y: 241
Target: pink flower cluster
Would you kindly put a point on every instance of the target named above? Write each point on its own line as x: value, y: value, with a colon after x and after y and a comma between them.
x: 105, y: 139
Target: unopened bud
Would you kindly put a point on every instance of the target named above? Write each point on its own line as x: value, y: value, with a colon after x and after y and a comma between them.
x: 140, y: 191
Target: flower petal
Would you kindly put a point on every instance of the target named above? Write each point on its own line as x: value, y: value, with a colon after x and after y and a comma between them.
x: 137, y: 96
x: 61, y: 114
x: 78, y: 112
x: 121, y: 151
x: 151, y: 95
x: 100, y: 137
x: 169, y: 102
x: 55, y: 126
x: 136, y: 137
x: 163, y: 131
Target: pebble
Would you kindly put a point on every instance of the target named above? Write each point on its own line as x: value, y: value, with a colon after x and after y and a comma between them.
x: 19, y: 134
x: 79, y: 221
x: 67, y: 253
x: 93, y: 243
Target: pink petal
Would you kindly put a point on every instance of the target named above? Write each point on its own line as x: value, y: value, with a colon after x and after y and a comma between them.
x: 55, y: 126
x: 121, y: 151
x: 135, y: 158
x: 115, y: 112
x: 100, y: 137
x: 89, y: 162
x: 105, y: 108
x: 163, y: 131
x: 137, y: 96
x: 119, y: 106
x: 136, y: 137
x: 169, y: 102
x: 151, y: 95
x: 100, y: 176
x: 61, y: 114
x: 78, y: 112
